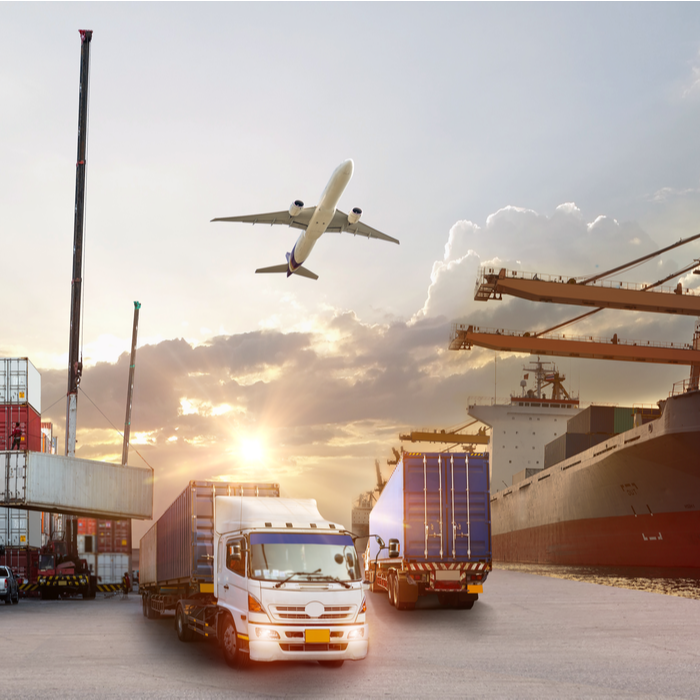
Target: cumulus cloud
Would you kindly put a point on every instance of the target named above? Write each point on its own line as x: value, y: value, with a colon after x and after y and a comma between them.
x: 326, y: 397
x: 692, y: 83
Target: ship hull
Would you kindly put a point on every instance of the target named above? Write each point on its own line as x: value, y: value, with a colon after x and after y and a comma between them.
x: 633, y: 500
x: 662, y: 539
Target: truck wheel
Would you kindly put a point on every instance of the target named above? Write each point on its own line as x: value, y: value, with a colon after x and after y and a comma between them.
x: 144, y: 606
x: 184, y: 633
x: 332, y: 663
x: 229, y: 643
x: 15, y: 600
x: 392, y: 590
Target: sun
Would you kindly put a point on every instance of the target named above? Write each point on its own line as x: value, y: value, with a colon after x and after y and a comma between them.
x: 251, y: 450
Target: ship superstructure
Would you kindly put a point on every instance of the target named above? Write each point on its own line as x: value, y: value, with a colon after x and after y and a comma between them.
x: 521, y: 428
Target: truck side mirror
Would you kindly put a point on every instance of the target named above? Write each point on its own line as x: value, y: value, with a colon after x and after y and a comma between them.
x: 394, y: 548
x: 234, y: 552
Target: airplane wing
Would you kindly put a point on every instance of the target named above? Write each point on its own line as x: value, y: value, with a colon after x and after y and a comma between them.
x: 340, y: 224
x: 301, y: 220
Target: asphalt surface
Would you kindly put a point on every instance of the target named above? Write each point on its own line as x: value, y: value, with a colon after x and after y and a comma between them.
x: 528, y: 637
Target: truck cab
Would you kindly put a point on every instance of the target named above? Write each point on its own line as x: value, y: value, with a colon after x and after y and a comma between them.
x: 291, y: 587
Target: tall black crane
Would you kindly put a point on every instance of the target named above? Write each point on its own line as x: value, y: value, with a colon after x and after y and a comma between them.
x: 75, y: 365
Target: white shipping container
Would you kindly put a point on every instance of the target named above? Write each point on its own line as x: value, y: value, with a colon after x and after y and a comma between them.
x: 110, y: 567
x: 20, y: 528
x: 147, y: 556
x: 86, y: 543
x: 81, y: 487
x: 20, y: 382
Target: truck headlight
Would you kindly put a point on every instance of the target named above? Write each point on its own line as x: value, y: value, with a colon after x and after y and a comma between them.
x: 357, y: 633
x: 262, y: 633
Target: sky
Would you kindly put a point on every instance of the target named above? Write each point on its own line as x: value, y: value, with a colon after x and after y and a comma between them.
x: 551, y: 138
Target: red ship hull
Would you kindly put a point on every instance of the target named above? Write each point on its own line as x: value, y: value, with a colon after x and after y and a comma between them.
x: 662, y: 539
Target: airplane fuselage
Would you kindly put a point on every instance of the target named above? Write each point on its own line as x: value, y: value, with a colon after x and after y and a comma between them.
x: 322, y: 216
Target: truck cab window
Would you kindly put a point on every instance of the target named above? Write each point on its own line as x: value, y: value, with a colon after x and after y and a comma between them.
x: 235, y: 556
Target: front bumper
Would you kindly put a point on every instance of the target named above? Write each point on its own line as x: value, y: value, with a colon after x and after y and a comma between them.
x: 292, y: 645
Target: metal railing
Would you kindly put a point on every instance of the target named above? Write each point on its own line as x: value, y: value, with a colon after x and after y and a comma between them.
x: 462, y: 327
x: 562, y: 279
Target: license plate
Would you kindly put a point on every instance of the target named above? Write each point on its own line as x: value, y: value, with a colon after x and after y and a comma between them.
x: 448, y: 575
x: 318, y: 636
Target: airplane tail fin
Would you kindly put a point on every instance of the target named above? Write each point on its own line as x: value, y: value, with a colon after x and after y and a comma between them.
x: 285, y: 268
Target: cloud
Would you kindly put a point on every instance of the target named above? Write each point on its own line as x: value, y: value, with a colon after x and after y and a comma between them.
x: 327, y: 397
x: 692, y: 84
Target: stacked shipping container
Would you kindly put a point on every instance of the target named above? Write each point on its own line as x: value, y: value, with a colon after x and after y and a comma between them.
x: 592, y: 426
x: 106, y: 546
x: 21, y: 531
x: 20, y: 402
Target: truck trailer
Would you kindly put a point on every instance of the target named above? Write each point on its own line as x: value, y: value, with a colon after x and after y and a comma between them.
x: 434, y: 515
x: 267, y: 577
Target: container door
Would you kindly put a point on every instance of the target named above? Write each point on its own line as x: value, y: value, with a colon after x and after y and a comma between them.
x: 458, y: 502
x: 472, y: 538
x: 424, y: 506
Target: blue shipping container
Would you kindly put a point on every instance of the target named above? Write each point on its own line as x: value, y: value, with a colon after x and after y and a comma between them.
x: 437, y: 506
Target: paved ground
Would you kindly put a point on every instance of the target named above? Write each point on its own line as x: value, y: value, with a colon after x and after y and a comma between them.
x: 528, y: 637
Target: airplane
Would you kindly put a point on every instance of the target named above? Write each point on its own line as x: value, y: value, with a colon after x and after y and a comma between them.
x: 314, y: 222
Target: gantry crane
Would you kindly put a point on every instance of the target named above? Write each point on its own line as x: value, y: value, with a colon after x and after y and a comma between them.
x: 448, y: 436
x: 592, y: 291
x: 464, y: 337
x: 492, y: 284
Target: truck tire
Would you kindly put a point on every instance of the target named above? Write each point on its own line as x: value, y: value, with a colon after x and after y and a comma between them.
x: 230, y: 644
x: 15, y: 600
x: 144, y: 605
x: 184, y: 633
x: 391, y: 589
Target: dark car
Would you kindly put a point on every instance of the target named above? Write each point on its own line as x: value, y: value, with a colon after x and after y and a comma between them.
x: 9, y: 589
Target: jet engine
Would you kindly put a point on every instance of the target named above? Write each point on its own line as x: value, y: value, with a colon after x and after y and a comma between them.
x: 354, y: 215
x: 296, y: 207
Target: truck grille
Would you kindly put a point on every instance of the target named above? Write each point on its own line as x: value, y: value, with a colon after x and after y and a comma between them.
x: 298, y: 612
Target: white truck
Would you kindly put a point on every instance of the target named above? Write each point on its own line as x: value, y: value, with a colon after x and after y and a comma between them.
x: 268, y: 577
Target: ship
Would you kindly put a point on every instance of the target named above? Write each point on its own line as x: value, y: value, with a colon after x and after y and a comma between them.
x: 361, y: 509
x: 626, y: 495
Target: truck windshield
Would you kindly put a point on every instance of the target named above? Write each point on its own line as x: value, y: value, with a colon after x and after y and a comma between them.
x: 275, y: 556
x: 45, y: 562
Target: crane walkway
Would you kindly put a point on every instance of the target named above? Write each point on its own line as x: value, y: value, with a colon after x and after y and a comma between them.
x: 493, y: 284
x: 82, y: 487
x: 466, y: 336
